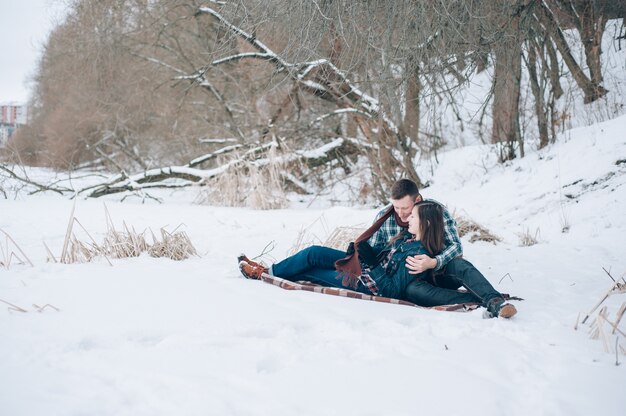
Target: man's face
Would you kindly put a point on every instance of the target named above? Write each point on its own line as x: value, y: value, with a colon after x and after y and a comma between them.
x: 403, y: 207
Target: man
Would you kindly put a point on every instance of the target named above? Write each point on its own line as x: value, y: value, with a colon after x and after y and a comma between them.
x: 404, y: 194
x: 446, y: 271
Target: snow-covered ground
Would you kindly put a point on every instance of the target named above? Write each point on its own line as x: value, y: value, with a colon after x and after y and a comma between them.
x: 153, y: 336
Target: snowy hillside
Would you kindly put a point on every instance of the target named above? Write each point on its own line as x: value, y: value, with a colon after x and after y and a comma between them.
x: 151, y: 336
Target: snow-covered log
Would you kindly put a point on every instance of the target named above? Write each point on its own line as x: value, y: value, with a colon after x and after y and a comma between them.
x: 188, y: 175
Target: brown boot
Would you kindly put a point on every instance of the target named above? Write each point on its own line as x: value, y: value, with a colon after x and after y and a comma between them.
x: 498, y: 308
x: 250, y: 271
x: 243, y: 257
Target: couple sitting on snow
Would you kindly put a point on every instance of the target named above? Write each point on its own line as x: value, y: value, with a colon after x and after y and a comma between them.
x: 411, y: 252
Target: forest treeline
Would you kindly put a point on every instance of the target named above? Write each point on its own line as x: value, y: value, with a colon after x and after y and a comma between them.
x: 297, y: 88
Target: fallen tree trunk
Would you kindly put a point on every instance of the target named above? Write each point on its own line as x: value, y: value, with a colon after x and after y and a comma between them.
x: 188, y: 175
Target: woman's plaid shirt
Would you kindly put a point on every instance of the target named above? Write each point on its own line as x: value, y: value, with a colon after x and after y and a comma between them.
x: 390, y: 229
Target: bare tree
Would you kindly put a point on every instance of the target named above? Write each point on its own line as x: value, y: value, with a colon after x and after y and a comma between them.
x: 134, y: 85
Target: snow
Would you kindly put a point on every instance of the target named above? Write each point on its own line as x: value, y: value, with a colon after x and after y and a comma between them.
x: 151, y: 336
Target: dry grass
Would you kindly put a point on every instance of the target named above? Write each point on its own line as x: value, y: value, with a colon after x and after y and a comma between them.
x: 598, y: 327
x: 307, y: 237
x: 76, y: 251
x: 527, y: 239
x: 123, y: 244
x: 248, y: 184
x: 128, y: 243
x: 342, y: 236
x: 176, y: 246
x: 466, y: 226
x: 304, y: 239
x: 13, y: 307
x: 338, y: 239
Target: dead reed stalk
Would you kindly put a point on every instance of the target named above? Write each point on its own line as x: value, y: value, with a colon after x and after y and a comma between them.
x: 13, y: 307
x: 9, y: 255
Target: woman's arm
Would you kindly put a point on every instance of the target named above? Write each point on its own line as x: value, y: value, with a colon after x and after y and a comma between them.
x: 393, y: 284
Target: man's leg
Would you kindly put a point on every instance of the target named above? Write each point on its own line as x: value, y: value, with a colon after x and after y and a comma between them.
x: 314, y: 257
x: 328, y: 278
x: 462, y: 272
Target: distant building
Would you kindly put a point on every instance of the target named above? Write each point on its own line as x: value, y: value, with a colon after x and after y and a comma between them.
x: 12, y: 115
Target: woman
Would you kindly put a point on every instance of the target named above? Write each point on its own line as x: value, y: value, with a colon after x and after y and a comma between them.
x: 384, y: 265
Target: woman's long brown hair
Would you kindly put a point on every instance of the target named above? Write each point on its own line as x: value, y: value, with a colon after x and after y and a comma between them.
x: 431, y: 226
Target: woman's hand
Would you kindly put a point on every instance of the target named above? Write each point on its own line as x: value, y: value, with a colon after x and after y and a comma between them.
x: 420, y: 263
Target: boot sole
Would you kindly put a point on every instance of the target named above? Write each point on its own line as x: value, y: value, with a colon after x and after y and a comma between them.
x: 246, y: 275
x: 507, y: 311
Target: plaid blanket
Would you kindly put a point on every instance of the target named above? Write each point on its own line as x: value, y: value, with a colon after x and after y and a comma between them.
x: 310, y: 287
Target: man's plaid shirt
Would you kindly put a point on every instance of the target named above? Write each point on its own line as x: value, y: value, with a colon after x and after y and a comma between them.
x: 390, y: 229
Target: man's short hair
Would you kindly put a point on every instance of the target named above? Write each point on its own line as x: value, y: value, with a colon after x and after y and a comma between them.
x: 404, y: 187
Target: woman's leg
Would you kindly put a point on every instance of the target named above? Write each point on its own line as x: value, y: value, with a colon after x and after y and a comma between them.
x: 314, y: 257
x: 423, y: 293
x: 462, y: 272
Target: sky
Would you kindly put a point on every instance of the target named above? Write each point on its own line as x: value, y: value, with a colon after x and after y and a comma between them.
x: 24, y: 28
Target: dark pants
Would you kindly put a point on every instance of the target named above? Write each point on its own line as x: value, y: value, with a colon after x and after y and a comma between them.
x: 315, y: 264
x: 440, y: 288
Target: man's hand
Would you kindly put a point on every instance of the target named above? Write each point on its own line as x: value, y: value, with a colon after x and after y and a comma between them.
x: 420, y: 263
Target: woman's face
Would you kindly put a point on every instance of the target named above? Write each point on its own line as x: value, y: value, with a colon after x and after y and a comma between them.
x: 414, y: 223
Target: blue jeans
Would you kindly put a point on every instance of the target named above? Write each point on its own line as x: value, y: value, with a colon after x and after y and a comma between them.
x: 315, y: 264
x: 440, y: 287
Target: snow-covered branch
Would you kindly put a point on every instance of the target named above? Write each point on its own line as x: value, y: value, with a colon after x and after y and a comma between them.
x: 224, y: 150
x: 241, y: 56
x: 339, y: 112
x: 251, y: 39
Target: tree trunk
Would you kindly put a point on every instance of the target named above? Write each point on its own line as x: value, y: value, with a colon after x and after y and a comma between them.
x: 591, y: 31
x: 508, y: 71
x: 411, y: 123
x: 552, y: 62
x: 540, y: 110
